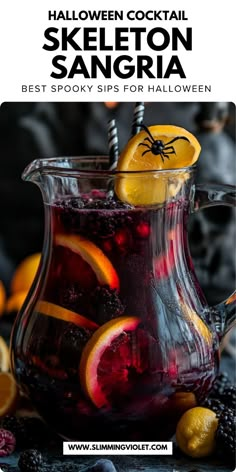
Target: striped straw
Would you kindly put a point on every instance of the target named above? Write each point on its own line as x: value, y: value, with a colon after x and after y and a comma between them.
x: 113, y: 143
x: 137, y: 118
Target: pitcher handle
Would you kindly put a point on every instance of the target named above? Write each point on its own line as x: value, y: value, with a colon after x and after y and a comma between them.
x: 205, y: 196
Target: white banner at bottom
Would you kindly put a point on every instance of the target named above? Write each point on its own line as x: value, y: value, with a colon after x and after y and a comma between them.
x: 117, y: 448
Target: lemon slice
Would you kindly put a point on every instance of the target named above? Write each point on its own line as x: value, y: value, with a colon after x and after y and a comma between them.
x: 4, y: 356
x: 159, y: 147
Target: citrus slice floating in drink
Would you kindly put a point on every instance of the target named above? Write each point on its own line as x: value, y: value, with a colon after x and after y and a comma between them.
x: 107, y: 358
x: 159, y: 147
x: 90, y: 263
x: 60, y: 313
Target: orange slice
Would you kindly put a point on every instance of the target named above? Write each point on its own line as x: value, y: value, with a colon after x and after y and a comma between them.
x: 93, y: 255
x: 184, y: 401
x: 60, y: 313
x: 138, y: 155
x: 4, y: 357
x: 186, y: 153
x: 101, y: 340
x: 2, y: 297
x: 15, y: 302
x: 8, y: 394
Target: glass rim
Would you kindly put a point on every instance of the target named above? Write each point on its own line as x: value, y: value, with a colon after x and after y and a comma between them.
x: 60, y: 166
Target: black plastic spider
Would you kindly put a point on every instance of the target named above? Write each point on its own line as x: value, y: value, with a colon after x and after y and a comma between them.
x: 156, y: 146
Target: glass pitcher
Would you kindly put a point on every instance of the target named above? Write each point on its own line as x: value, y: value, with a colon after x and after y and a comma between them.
x: 115, y: 339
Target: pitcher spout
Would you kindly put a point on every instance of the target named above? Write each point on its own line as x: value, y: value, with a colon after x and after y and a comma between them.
x: 54, y: 176
x: 42, y: 167
x: 32, y: 171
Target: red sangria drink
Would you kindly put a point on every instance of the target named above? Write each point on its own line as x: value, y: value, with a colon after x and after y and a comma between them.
x: 116, y: 339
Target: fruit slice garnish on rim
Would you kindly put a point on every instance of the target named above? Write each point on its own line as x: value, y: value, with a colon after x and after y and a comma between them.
x: 159, y: 147
x: 55, y: 311
x: 92, y: 256
x: 106, y: 358
x: 179, y: 149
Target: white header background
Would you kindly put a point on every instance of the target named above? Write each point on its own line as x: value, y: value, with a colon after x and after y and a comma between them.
x: 211, y: 61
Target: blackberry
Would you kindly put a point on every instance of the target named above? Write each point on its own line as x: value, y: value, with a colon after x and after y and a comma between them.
x: 75, y: 203
x: 109, y: 204
x: 222, y: 395
x: 214, y: 404
x: 72, y: 343
x: 100, y: 225
x: 73, y: 297
x: 225, y: 436
x: 222, y: 381
x: 31, y: 460
x: 107, y: 304
x: 68, y: 211
x: 104, y: 224
x: 228, y: 397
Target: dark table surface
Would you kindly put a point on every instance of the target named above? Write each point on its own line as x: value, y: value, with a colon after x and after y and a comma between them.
x: 136, y: 463
x: 178, y: 462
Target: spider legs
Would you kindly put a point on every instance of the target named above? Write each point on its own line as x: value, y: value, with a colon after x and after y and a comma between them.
x: 148, y: 132
x: 164, y: 155
x: 145, y: 152
x: 146, y: 145
x: 170, y: 149
x: 177, y: 138
x: 149, y: 140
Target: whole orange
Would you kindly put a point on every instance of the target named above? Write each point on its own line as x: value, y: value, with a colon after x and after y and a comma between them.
x: 24, y: 274
x: 2, y: 297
